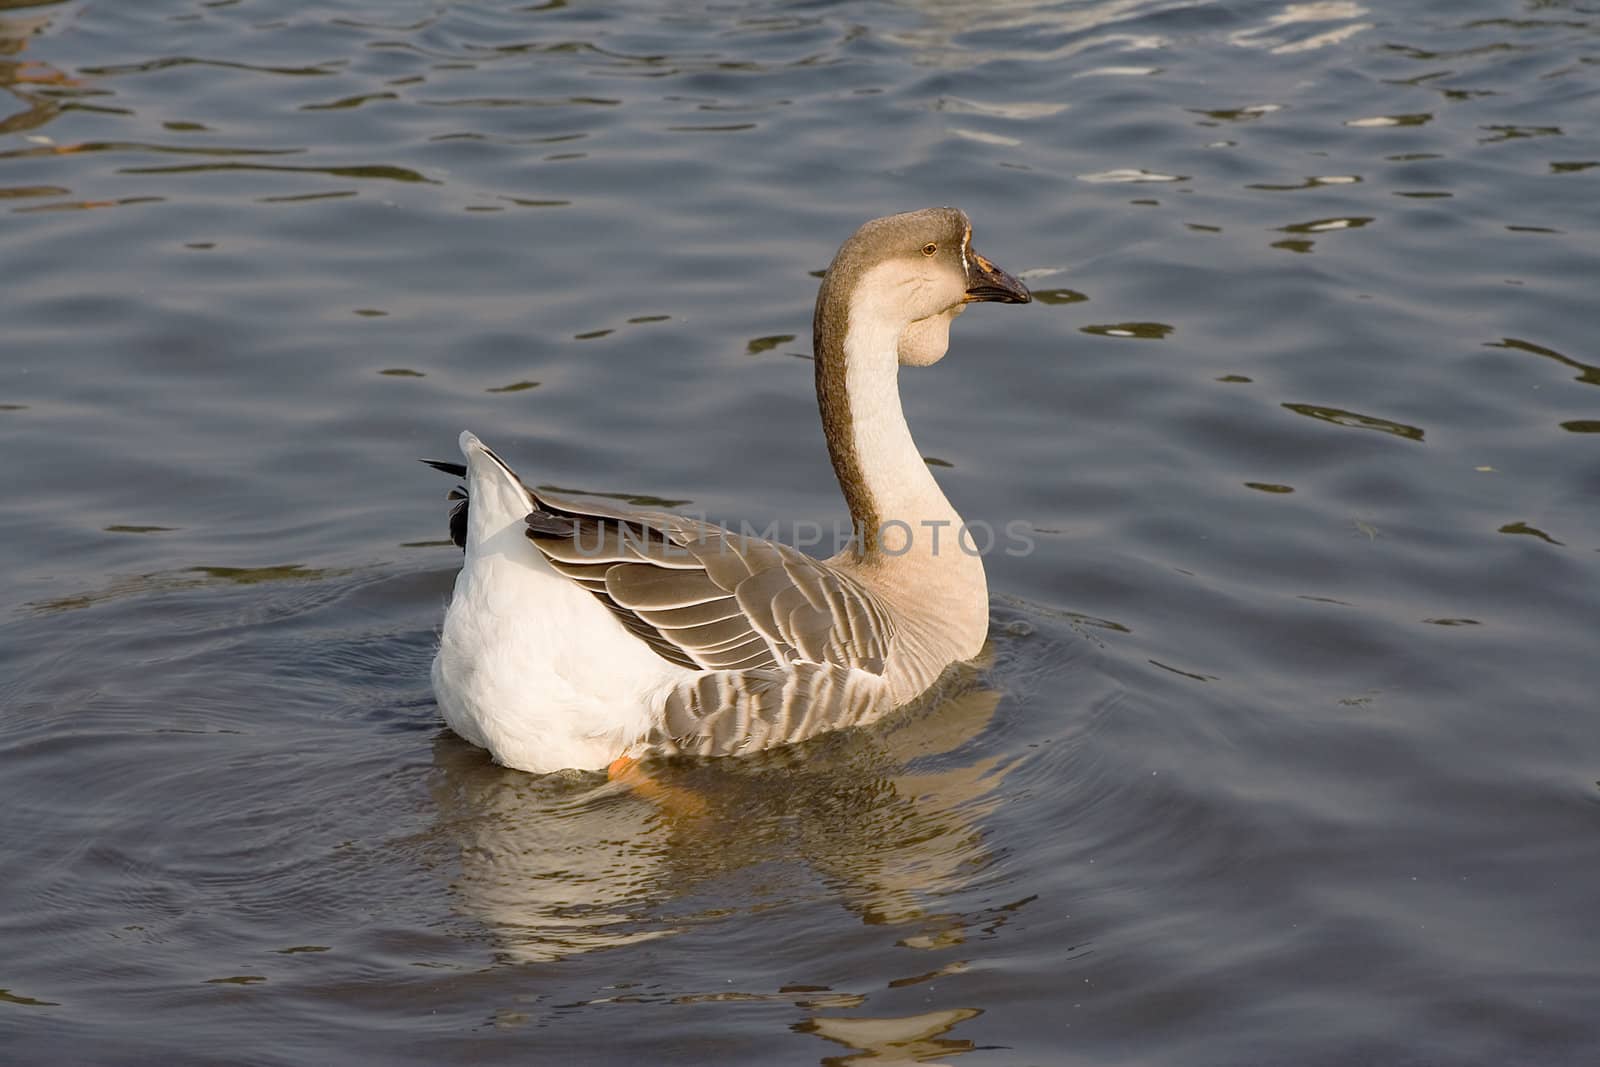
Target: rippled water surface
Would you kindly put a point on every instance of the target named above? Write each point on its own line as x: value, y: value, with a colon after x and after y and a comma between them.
x: 1285, y: 746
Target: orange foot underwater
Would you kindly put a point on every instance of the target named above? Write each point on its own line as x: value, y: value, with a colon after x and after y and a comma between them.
x: 675, y: 802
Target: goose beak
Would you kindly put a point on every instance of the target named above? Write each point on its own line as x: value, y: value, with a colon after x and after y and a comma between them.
x: 985, y: 281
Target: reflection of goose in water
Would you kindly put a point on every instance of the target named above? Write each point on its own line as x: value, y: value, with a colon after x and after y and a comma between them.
x: 884, y: 1042
x: 887, y: 817
x: 555, y: 865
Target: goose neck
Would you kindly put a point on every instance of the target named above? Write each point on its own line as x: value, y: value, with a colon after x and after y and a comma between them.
x: 894, y: 502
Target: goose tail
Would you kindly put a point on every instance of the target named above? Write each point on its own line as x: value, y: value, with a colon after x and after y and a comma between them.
x: 498, y: 500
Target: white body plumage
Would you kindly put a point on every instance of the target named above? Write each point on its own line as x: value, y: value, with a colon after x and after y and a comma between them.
x: 530, y: 665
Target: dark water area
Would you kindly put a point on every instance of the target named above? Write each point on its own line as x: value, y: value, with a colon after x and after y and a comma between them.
x: 1286, y: 744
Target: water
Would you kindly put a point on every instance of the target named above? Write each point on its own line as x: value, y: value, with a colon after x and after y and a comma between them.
x: 1285, y: 748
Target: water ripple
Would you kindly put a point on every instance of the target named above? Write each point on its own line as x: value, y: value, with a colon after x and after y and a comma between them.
x: 1236, y: 780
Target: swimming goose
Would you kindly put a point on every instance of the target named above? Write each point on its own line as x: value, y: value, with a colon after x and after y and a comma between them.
x: 582, y: 635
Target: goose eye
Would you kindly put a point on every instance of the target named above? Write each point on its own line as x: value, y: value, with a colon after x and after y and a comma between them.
x: 929, y: 249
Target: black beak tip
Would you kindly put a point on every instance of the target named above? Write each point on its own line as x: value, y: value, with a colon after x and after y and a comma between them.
x: 1008, y: 291
x: 989, y: 283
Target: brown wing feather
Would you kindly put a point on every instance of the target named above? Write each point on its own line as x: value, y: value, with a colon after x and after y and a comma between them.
x: 724, y: 713
x: 699, y: 595
x: 704, y: 597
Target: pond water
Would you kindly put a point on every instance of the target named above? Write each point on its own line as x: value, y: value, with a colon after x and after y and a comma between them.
x: 1285, y: 745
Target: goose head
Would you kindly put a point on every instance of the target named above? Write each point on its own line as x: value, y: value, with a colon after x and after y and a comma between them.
x: 912, y: 274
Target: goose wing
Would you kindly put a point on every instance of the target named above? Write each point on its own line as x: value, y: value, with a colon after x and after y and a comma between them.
x: 725, y: 713
x: 707, y: 598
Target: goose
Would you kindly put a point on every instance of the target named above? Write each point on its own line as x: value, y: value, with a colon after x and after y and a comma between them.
x: 587, y: 636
